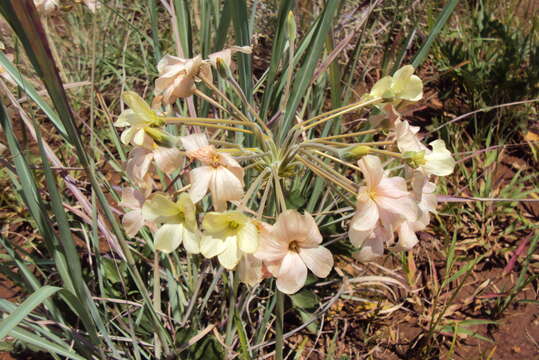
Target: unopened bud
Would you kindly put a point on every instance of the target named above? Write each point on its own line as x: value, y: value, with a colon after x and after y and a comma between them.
x: 356, y: 152
x: 291, y: 26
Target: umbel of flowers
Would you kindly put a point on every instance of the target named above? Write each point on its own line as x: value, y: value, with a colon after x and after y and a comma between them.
x: 204, y: 204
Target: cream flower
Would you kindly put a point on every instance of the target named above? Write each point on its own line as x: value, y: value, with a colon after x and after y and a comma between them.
x: 403, y: 85
x: 437, y: 161
x: 290, y: 247
x: 177, y: 77
x: 381, y: 206
x: 139, y: 120
x: 46, y: 6
x: 228, y: 235
x: 3, y: 148
x: 132, y: 220
x: 220, y: 173
x: 178, y: 219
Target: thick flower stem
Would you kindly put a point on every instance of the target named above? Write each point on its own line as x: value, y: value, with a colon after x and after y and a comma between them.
x: 357, y: 133
x: 188, y: 121
x: 232, y: 308
x: 279, y: 325
x: 335, y: 113
x: 337, y: 160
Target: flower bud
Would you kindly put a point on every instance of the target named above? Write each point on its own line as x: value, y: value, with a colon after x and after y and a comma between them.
x: 356, y: 152
x: 291, y: 26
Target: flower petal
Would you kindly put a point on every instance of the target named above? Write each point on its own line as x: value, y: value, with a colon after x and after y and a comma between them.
x: 225, y: 186
x: 292, y: 274
x: 372, y: 170
x: 357, y: 238
x: 248, y: 238
x: 231, y: 255
x: 139, y: 106
x: 191, y: 241
x: 200, y: 181
x: 167, y: 159
x: 159, y: 205
x: 132, y: 222
x: 439, y: 160
x: 407, y: 236
x: 168, y: 237
x: 210, y: 246
x: 366, y: 216
x: 194, y: 141
x: 271, y: 247
x: 250, y: 270
x: 381, y: 87
x: 372, y: 248
x: 319, y: 260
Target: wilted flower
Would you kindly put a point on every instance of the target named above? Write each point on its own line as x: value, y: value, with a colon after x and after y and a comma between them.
x: 437, y: 161
x: 220, y: 173
x: 381, y: 205
x: 403, y: 85
x: 133, y: 220
x: 138, y: 164
x: 226, y: 54
x: 250, y: 270
x: 291, y: 246
x: 178, y: 219
x: 140, y: 121
x: 46, y: 6
x: 228, y: 235
x: 177, y: 77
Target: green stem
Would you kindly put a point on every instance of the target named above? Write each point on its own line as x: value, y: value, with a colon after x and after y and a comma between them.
x: 279, y: 325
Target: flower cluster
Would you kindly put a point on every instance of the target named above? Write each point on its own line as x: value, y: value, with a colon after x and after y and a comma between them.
x: 252, y: 230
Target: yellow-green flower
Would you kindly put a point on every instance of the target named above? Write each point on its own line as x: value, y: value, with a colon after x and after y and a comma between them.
x: 138, y: 120
x: 403, y: 85
x: 178, y: 219
x: 228, y: 235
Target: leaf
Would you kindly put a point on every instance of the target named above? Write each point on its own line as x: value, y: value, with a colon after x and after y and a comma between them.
x: 305, y: 299
x: 306, y: 71
x: 46, y: 345
x: 33, y: 301
x: 440, y: 22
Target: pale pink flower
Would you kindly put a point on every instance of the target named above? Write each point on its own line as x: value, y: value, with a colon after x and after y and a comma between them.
x: 220, y: 173
x: 290, y: 247
x: 382, y: 204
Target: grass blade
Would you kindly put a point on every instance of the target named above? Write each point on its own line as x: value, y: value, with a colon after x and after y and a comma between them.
x: 26, y: 308
x: 440, y: 22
